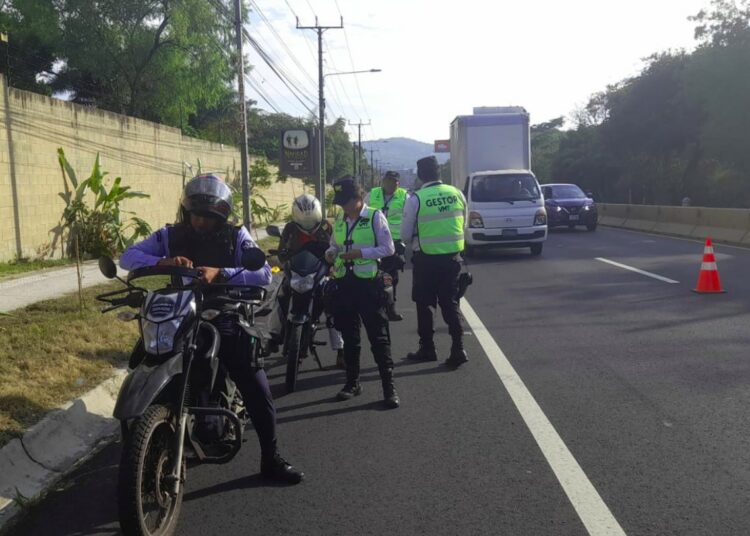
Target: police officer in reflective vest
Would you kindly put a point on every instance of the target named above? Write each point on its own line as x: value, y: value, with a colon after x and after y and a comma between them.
x: 361, y: 237
x: 391, y: 199
x: 434, y: 217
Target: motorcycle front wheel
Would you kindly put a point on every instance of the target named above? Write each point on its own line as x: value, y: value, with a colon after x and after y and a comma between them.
x: 146, y: 507
x: 293, y: 350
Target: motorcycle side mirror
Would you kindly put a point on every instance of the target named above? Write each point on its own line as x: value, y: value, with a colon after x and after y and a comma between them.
x: 273, y: 230
x: 253, y: 259
x: 107, y: 267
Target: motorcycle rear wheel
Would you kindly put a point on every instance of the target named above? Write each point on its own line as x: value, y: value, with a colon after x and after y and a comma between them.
x: 145, y: 506
x: 293, y: 350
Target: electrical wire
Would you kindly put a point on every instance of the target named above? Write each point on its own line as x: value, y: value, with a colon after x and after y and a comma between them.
x: 356, y: 77
x: 283, y: 43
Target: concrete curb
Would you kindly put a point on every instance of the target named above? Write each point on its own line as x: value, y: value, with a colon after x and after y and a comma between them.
x: 32, y: 465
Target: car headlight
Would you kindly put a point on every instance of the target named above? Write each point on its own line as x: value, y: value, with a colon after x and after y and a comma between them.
x: 541, y: 217
x: 558, y: 209
x: 302, y: 284
x: 159, y: 338
x: 475, y: 220
x: 587, y: 208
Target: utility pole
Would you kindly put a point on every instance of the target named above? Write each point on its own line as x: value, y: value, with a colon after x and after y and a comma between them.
x: 359, y: 139
x: 245, y: 176
x: 320, y: 188
x: 354, y: 159
x: 372, y: 167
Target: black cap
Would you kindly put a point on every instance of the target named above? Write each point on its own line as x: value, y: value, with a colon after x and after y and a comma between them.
x: 344, y: 191
x: 392, y: 175
x: 427, y: 169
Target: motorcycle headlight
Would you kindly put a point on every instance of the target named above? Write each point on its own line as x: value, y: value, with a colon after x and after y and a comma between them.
x: 159, y: 339
x: 302, y: 284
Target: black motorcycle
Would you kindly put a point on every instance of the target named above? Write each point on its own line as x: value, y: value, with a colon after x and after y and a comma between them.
x: 163, y: 405
x: 305, y: 275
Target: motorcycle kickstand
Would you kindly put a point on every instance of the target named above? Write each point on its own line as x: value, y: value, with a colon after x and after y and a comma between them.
x: 317, y: 358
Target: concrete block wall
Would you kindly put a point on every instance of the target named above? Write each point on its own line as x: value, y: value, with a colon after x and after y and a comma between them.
x: 728, y: 225
x: 149, y: 157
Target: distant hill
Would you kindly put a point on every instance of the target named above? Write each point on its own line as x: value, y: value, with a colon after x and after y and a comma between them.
x: 401, y: 153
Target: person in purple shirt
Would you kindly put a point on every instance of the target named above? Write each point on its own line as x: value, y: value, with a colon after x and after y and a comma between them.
x: 206, y: 241
x: 361, y: 238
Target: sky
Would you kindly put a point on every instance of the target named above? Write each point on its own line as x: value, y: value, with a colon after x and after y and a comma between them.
x: 441, y: 59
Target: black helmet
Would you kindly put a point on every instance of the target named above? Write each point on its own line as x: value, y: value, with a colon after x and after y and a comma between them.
x: 207, y: 195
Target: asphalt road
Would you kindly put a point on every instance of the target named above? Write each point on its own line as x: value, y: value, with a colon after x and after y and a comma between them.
x: 645, y: 386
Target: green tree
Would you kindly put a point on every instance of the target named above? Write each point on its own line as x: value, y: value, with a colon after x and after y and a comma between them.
x: 161, y: 60
x: 338, y: 151
x: 724, y: 24
x: 545, y: 144
x: 33, y: 39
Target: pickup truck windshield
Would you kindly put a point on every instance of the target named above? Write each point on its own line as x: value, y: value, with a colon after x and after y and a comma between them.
x: 508, y: 188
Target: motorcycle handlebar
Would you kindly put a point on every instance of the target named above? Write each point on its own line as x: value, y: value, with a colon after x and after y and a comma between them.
x: 177, y: 271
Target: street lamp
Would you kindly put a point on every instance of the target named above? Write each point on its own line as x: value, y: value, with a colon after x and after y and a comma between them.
x: 321, y: 190
x: 354, y: 72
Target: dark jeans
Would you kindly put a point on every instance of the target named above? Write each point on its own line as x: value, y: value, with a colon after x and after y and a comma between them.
x: 253, y: 384
x: 435, y: 282
x: 359, y: 303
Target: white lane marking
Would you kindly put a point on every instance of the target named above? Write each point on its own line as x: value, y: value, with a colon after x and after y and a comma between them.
x: 588, y: 504
x: 636, y: 270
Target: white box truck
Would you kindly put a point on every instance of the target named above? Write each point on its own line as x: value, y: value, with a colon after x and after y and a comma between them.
x: 491, y: 164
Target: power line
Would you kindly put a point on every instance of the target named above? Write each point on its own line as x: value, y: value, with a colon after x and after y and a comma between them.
x: 283, y: 43
x: 261, y: 93
x: 278, y: 72
x: 340, y: 82
x: 337, y: 101
x: 268, y: 60
x: 311, y: 9
x: 351, y: 59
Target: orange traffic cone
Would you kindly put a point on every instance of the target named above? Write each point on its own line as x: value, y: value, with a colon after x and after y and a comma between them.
x: 708, y: 279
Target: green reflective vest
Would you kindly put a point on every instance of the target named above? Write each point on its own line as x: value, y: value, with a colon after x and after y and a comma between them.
x: 362, y: 236
x: 440, y: 220
x: 394, y: 211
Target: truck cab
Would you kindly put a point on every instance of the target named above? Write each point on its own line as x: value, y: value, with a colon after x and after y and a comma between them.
x: 491, y: 163
x: 505, y: 208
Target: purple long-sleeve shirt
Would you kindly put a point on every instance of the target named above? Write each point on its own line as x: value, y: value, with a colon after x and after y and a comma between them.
x: 156, y: 247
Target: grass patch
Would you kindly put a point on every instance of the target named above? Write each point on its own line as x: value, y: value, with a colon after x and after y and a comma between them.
x: 51, y: 352
x: 8, y: 269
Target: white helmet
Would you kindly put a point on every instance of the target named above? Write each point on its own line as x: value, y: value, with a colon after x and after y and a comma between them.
x: 307, y: 212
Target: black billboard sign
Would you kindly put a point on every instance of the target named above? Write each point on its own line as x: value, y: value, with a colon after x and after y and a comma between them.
x: 299, y: 152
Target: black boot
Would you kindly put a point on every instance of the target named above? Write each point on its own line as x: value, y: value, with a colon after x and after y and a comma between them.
x: 352, y: 387
x: 458, y: 356
x: 390, y: 396
x: 426, y: 352
x: 278, y: 469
